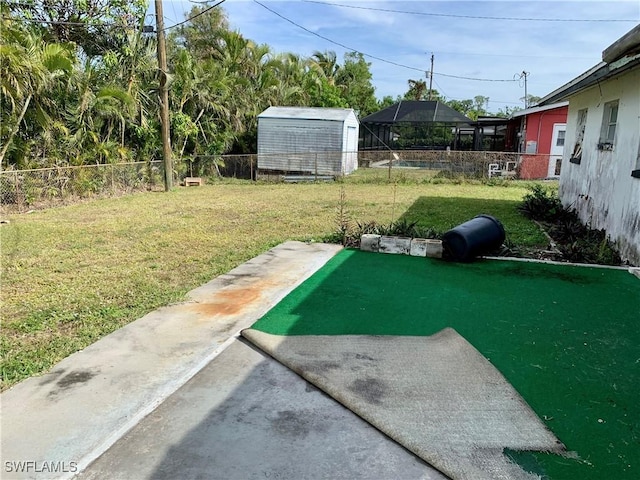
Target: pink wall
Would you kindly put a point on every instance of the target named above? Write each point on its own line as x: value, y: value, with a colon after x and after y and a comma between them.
x: 540, y: 127
x: 533, y: 166
x: 540, y: 130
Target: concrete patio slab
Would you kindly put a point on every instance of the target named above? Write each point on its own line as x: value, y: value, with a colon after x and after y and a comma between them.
x: 246, y: 416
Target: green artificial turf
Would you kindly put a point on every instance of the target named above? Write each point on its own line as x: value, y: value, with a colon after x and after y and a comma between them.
x: 566, y: 337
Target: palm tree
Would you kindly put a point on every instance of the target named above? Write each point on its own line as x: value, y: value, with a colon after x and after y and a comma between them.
x: 327, y: 63
x: 96, y: 112
x: 29, y: 69
x: 417, y: 90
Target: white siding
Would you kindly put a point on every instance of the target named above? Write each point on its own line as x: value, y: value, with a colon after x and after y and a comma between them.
x: 601, y: 187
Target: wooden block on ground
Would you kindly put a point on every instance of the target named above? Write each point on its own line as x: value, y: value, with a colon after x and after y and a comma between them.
x: 193, y: 181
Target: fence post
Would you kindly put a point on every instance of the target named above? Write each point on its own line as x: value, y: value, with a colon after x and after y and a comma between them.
x: 315, y: 167
x: 17, y: 188
x: 390, y: 163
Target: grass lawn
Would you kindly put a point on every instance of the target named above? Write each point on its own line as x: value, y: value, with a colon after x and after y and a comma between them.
x: 73, y: 274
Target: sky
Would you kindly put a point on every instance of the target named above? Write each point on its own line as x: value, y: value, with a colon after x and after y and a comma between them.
x: 399, y: 37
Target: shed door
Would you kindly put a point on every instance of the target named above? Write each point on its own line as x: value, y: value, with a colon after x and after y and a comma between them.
x: 557, y: 147
x: 352, y: 149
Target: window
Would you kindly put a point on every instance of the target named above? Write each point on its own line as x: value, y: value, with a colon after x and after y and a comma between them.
x: 576, y: 155
x: 609, y: 122
x: 560, y: 140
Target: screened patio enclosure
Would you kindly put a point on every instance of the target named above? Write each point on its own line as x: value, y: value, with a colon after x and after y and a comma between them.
x: 416, y: 125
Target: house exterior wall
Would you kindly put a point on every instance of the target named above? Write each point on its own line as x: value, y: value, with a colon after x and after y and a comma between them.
x: 540, y: 127
x: 601, y: 187
x: 297, y: 145
x: 537, y: 142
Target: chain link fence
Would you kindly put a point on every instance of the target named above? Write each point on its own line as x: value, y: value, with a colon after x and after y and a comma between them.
x: 21, y: 190
x: 439, y: 163
x: 446, y: 163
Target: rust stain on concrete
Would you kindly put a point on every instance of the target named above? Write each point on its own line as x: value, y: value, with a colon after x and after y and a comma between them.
x: 232, y: 301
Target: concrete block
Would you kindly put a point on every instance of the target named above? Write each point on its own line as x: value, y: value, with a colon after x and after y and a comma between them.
x: 434, y: 248
x: 418, y: 247
x: 370, y: 242
x: 635, y: 271
x: 397, y: 245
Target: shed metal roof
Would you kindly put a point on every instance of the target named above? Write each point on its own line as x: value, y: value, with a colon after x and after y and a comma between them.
x: 308, y: 113
x: 417, y: 111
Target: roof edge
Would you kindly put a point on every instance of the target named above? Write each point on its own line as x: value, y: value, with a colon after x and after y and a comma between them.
x: 314, y: 112
x: 540, y: 108
x: 591, y: 77
x: 626, y: 45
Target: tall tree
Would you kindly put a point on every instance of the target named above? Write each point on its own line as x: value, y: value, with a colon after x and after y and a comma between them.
x: 96, y: 26
x: 354, y: 79
x: 531, y: 100
x: 327, y: 64
x: 387, y: 101
x: 296, y: 80
x: 463, y: 106
x: 417, y: 90
x: 201, y: 35
x: 99, y: 119
x: 30, y: 69
x: 481, y: 103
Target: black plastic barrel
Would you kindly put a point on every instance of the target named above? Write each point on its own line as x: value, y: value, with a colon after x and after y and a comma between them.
x: 479, y: 235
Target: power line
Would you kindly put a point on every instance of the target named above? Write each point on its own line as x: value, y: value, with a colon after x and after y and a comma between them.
x: 475, y: 79
x: 336, y: 43
x: 98, y: 24
x: 515, y: 55
x: 502, y: 102
x: 475, y: 17
x: 421, y: 70
x: 440, y: 90
x: 196, y: 15
x: 75, y: 24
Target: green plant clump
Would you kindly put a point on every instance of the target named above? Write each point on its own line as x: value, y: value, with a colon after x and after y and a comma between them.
x: 579, y: 243
x: 576, y: 241
x: 541, y: 204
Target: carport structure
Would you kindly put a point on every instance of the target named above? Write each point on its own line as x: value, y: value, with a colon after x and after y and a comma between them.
x: 416, y: 125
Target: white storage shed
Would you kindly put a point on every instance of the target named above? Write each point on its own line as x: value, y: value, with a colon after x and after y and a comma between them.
x: 308, y: 141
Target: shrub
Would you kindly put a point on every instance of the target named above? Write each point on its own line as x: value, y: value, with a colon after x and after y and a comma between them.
x: 575, y: 241
x: 541, y: 204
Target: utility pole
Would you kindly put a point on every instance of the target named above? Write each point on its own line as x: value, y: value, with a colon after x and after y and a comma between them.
x: 164, y: 99
x: 526, y: 96
x: 431, y: 79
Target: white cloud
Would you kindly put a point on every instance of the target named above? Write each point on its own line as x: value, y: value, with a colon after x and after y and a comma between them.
x: 552, y: 52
